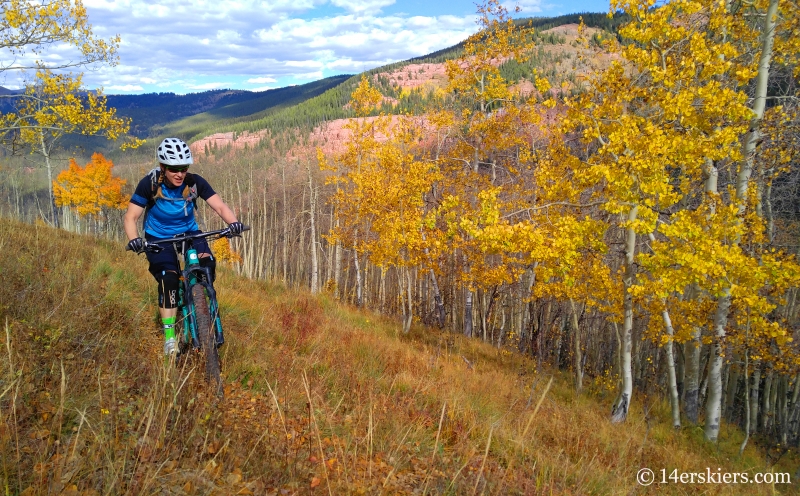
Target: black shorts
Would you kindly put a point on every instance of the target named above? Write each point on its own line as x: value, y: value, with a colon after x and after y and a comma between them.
x: 167, y: 259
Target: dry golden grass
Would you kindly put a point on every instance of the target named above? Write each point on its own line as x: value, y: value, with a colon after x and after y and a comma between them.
x: 321, y: 398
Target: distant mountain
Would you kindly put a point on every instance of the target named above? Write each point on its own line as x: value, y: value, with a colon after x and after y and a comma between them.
x: 151, y: 111
x: 6, y: 91
x: 254, y: 106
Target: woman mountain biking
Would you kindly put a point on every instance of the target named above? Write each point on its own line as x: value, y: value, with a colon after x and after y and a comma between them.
x: 167, y: 196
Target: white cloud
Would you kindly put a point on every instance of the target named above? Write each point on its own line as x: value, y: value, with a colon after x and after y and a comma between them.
x: 125, y: 87
x: 261, y: 80
x: 363, y: 6
x: 262, y: 88
x: 190, y: 45
x: 304, y: 63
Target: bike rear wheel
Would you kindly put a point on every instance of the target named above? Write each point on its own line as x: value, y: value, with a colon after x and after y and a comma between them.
x: 205, y: 334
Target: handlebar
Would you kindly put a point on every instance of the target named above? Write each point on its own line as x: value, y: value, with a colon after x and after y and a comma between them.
x: 154, y: 246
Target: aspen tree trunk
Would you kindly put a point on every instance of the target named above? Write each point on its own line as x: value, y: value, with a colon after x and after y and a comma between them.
x: 783, y: 411
x: 714, y: 398
x: 733, y: 387
x: 300, y: 252
x: 673, y: 384
x: 329, y: 256
x: 437, y: 298
x: 285, y: 226
x: 754, y: 389
x: 46, y: 154
x: 337, y: 268
x: 681, y: 372
x: 468, y: 313
x: 746, y: 402
x: 766, y: 406
x: 742, y: 182
x: 620, y: 411
x: 523, y: 313
x: 705, y: 367
x: 562, y: 325
x: 437, y: 295
x: 793, y: 420
x: 410, y: 315
x: 545, y: 325
x: 312, y: 209
x: 401, y: 289
x: 577, y: 349
x: 482, y: 313
x: 359, y: 285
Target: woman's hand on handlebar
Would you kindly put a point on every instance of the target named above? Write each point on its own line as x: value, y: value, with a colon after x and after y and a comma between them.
x: 236, y: 228
x: 136, y: 245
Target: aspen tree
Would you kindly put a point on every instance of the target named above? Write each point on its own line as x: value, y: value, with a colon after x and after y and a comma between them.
x: 89, y: 189
x: 53, y: 106
x: 654, y: 120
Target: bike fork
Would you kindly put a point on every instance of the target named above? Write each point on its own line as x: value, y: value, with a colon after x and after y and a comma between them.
x: 214, y: 307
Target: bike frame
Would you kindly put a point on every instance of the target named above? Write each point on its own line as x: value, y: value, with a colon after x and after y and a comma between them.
x: 190, y: 276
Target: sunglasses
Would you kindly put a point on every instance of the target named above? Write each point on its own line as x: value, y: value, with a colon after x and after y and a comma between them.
x: 175, y: 170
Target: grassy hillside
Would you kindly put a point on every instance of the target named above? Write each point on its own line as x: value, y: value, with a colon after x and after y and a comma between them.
x: 320, y: 398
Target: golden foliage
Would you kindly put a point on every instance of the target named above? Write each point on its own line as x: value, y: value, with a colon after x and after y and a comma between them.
x: 57, y: 104
x: 502, y: 187
x: 224, y: 252
x: 31, y: 27
x: 91, y: 188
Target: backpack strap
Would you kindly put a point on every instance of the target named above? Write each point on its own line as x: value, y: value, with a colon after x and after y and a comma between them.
x: 154, y: 175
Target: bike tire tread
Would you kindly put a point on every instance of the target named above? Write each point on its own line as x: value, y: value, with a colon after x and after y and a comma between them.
x: 205, y: 334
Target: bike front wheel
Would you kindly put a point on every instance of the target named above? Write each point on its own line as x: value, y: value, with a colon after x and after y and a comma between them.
x: 205, y: 334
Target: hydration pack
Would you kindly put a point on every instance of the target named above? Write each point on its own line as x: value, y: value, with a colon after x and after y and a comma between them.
x: 188, y: 195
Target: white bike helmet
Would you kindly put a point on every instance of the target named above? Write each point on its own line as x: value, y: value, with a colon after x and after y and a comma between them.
x: 174, y: 151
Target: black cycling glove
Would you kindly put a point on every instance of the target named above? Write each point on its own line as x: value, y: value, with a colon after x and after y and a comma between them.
x: 236, y: 228
x: 136, y: 245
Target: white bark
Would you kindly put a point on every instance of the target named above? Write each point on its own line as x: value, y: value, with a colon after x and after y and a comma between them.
x: 46, y: 155
x: 577, y: 348
x: 359, y: 284
x: 312, y: 210
x: 468, y: 314
x: 714, y: 401
x: 410, y: 314
x: 620, y: 411
x: 285, y: 226
x: 673, y: 383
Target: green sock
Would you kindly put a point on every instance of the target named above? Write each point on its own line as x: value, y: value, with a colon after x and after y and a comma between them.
x: 169, y: 327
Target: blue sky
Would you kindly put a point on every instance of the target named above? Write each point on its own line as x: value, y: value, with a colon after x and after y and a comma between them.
x: 187, y: 46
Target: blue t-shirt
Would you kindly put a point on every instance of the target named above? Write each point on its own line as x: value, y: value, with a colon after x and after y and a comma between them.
x: 171, y: 215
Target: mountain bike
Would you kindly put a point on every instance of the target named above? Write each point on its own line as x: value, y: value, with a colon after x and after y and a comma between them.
x: 200, y: 326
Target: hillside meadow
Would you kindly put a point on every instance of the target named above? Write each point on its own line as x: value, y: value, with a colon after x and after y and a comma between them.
x: 320, y: 398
